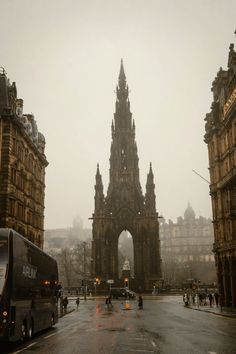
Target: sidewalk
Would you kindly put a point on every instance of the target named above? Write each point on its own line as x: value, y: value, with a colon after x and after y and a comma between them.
x: 225, y: 311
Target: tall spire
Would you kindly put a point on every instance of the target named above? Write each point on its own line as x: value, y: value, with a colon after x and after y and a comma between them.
x: 122, y: 90
x: 124, y: 170
x: 122, y: 77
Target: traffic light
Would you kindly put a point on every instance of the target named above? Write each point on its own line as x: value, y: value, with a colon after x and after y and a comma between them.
x: 126, y: 282
x: 82, y: 282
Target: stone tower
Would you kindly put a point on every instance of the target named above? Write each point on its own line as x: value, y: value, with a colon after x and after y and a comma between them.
x: 125, y: 207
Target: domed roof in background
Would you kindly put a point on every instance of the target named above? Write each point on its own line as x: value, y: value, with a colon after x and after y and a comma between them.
x: 189, y: 213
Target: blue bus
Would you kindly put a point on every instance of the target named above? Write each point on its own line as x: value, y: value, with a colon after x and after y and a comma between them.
x: 28, y: 288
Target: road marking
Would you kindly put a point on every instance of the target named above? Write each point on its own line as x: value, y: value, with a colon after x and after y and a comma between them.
x: 138, y: 350
x: 212, y: 353
x: 28, y: 346
x: 50, y: 335
x: 153, y: 344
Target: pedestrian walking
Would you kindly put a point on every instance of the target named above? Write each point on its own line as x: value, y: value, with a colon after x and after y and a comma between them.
x: 65, y: 303
x: 77, y: 303
x: 204, y: 299
x: 61, y: 305
x: 216, y: 296
x: 186, y: 299
x: 108, y: 301
x: 140, y: 302
x: 210, y: 297
x: 200, y: 298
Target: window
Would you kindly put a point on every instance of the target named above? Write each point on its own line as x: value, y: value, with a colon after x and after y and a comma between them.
x: 12, y: 207
x: 21, y: 212
x: 14, y: 145
x: 13, y: 175
x: 21, y: 180
x: 31, y: 164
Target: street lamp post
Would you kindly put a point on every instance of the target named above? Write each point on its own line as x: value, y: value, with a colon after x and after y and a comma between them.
x: 85, y: 280
x: 95, y: 288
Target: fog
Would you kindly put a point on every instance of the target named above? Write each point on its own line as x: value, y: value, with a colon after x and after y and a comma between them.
x: 64, y: 56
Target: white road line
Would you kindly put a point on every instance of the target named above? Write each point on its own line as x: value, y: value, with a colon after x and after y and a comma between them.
x: 153, y: 344
x: 139, y: 351
x: 50, y: 335
x: 212, y: 353
x: 143, y: 351
x: 28, y: 346
x: 46, y: 337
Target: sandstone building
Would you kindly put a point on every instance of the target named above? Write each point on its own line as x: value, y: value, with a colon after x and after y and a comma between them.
x: 186, y: 249
x: 221, y: 140
x: 125, y: 207
x: 22, y: 166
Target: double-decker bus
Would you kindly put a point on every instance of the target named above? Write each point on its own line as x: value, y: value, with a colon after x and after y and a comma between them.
x: 28, y: 288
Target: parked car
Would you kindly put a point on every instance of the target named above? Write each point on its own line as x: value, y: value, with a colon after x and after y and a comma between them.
x: 117, y: 293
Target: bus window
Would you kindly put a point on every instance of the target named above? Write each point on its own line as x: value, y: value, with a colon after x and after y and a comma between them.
x: 3, y: 261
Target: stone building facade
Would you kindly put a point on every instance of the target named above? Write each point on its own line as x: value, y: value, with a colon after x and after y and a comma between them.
x: 220, y: 138
x: 186, y: 249
x: 22, y: 166
x: 125, y: 207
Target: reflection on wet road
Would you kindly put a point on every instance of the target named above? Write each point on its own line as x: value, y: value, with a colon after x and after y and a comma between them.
x: 163, y: 326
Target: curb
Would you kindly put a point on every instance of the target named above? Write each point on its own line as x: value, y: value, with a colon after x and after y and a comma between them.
x: 215, y: 313
x: 67, y: 313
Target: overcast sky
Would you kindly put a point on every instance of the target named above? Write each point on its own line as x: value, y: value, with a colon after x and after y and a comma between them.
x: 64, y: 56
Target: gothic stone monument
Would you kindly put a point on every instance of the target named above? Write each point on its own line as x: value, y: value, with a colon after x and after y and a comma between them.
x: 125, y: 207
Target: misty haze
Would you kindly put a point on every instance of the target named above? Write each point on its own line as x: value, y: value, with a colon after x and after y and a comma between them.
x: 117, y: 176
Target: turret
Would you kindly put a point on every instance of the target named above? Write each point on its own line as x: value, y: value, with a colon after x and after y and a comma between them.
x: 99, y: 196
x: 8, y: 94
x: 150, y: 198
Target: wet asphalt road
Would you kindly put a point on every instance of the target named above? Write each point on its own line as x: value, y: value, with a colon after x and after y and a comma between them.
x: 163, y: 326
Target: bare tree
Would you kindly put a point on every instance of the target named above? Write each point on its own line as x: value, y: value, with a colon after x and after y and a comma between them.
x: 74, y: 263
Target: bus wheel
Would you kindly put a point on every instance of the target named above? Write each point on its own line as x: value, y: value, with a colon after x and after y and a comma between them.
x: 23, y: 331
x: 31, y: 329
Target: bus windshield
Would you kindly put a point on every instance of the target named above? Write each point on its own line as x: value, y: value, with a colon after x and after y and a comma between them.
x: 3, y: 261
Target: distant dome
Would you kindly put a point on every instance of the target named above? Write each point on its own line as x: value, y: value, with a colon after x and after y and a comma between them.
x: 189, y: 213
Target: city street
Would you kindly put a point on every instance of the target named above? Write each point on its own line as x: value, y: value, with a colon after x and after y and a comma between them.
x: 163, y: 326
